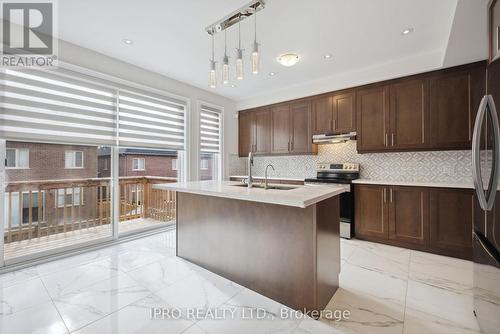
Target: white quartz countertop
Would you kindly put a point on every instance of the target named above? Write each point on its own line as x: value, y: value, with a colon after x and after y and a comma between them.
x: 416, y: 183
x: 269, y: 177
x: 299, y: 196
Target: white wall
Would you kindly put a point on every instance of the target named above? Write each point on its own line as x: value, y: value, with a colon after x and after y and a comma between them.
x: 95, y: 61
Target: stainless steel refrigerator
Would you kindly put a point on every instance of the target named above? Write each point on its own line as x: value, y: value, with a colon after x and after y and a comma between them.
x: 486, y: 231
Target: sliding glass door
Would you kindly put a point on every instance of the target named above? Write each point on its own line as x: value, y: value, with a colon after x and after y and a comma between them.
x: 82, y: 156
x: 54, y: 199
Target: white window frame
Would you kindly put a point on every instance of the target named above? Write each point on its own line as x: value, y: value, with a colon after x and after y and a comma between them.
x: 218, y: 163
x: 69, y: 191
x: 16, y: 162
x: 73, y: 166
x: 203, y: 164
x: 174, y: 164
x: 16, y: 207
x: 138, y: 167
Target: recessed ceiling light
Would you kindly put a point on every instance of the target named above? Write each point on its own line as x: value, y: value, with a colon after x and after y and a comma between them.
x: 407, y: 31
x: 233, y: 85
x: 128, y: 41
x: 272, y: 74
x: 328, y: 56
x: 288, y: 59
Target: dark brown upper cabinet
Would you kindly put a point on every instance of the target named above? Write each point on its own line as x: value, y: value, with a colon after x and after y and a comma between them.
x: 300, y: 135
x: 291, y: 128
x: 344, y: 111
x: 409, y: 115
x: 322, y: 115
x: 262, y: 131
x: 334, y: 114
x: 454, y: 99
x: 372, y: 112
x: 246, y: 133
x: 429, y: 111
x: 254, y: 131
x: 280, y: 120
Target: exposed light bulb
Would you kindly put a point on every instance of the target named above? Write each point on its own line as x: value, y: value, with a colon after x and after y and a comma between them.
x: 225, y: 70
x: 212, y: 77
x: 239, y: 64
x: 255, y: 58
x: 255, y: 51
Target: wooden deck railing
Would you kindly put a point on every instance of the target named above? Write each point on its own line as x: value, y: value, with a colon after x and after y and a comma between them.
x: 44, y: 208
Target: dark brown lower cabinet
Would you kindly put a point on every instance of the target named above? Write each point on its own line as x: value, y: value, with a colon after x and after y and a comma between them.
x: 371, y: 212
x: 408, y: 212
x: 451, y: 217
x: 437, y: 220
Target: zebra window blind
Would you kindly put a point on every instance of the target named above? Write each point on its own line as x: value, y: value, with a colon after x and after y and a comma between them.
x: 66, y: 106
x: 210, y: 129
x: 49, y: 106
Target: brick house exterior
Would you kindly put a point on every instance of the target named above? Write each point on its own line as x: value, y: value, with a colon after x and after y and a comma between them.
x: 156, y: 163
x: 48, y: 162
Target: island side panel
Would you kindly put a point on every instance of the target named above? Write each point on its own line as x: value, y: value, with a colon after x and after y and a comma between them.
x: 328, y: 249
x: 265, y: 247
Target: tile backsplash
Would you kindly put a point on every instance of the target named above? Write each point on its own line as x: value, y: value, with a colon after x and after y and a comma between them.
x: 435, y: 166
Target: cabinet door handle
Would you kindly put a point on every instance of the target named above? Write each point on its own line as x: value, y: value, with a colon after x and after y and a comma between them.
x: 386, y: 139
x: 385, y: 195
x: 334, y: 124
x: 292, y: 146
x: 391, y: 194
x: 288, y: 146
x: 392, y: 139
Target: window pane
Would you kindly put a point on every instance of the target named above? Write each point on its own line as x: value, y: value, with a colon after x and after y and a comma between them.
x: 142, y: 206
x: 78, y: 159
x: 69, y: 163
x: 209, y: 169
x: 11, y: 158
x: 51, y: 168
x: 23, y: 158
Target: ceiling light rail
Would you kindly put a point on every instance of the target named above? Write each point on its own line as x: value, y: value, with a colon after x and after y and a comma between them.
x: 235, y: 17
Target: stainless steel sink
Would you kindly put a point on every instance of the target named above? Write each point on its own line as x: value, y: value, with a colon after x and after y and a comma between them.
x: 270, y: 186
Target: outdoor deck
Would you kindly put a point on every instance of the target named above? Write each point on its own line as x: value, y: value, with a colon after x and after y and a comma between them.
x: 65, y: 213
x: 28, y: 247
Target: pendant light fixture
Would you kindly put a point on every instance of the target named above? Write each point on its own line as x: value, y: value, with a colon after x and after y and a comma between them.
x: 228, y: 21
x: 225, y: 62
x: 212, y: 77
x: 239, y: 54
x: 255, y: 51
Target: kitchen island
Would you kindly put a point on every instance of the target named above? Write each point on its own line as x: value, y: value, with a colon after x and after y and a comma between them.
x: 282, y: 242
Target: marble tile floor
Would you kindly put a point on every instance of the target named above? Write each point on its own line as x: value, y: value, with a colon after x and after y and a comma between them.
x: 113, y: 290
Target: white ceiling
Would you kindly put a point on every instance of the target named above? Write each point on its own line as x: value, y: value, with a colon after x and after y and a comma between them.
x: 169, y: 38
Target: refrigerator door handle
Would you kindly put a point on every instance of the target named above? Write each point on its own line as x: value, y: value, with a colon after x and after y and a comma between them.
x: 493, y: 183
x: 476, y: 154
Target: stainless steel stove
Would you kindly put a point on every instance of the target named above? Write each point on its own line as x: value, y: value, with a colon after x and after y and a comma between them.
x: 339, y: 174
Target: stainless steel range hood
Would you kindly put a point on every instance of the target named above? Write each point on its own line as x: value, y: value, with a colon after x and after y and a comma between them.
x: 334, y: 138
